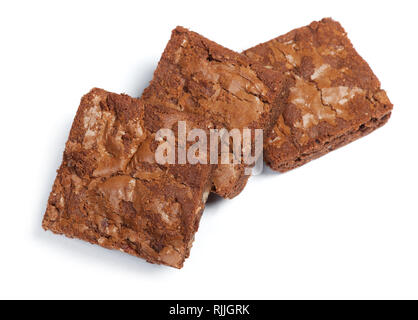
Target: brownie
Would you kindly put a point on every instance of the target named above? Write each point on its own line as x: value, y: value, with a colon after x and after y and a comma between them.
x: 110, y: 191
x: 198, y: 76
x: 334, y: 96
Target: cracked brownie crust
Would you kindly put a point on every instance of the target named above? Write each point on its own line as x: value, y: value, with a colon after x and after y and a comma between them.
x: 110, y: 191
x: 198, y: 76
x: 334, y: 97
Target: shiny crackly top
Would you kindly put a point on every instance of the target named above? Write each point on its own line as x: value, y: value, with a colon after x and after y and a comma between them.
x: 110, y: 191
x: 332, y: 88
x: 199, y: 76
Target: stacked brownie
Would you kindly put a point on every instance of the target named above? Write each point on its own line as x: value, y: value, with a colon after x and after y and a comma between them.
x: 198, y: 76
x: 309, y: 91
x: 334, y: 96
x: 110, y: 191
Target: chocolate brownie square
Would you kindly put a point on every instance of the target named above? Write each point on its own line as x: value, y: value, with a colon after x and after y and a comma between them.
x: 198, y: 76
x: 334, y: 97
x: 111, y: 191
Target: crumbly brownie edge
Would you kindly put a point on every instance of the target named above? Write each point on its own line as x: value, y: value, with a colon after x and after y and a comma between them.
x: 331, y: 145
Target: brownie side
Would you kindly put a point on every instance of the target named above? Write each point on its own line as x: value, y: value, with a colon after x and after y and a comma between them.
x: 334, y: 96
x: 110, y: 191
x: 198, y: 76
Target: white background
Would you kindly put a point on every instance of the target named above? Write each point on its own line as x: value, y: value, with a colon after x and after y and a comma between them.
x: 343, y: 226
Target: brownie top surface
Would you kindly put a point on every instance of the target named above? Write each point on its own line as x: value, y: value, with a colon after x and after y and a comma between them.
x: 109, y: 189
x: 331, y: 88
x: 196, y: 75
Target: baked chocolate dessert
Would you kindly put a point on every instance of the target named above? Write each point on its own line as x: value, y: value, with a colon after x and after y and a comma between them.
x: 334, y: 96
x: 111, y: 191
x: 198, y: 76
